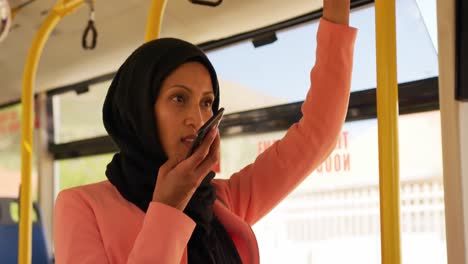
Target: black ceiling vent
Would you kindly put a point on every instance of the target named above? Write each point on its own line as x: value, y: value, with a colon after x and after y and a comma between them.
x: 207, y: 3
x: 264, y: 39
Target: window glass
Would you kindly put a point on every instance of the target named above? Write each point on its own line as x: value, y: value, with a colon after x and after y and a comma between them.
x: 336, y: 209
x: 79, y: 116
x: 14, y: 213
x: 81, y: 171
x: 10, y: 152
x: 278, y: 73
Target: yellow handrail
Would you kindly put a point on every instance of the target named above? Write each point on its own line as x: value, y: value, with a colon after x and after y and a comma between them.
x: 60, y: 9
x: 387, y: 114
x: 155, y: 18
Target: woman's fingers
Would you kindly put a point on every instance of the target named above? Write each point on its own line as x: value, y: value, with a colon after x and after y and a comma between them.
x: 337, y: 11
x: 177, y: 181
x: 206, y: 153
x: 200, y: 154
x: 168, y: 166
x: 203, y: 155
x: 212, y: 158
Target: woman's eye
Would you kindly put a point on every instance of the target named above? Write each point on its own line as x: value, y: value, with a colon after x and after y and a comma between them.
x: 178, y: 99
x: 208, y: 103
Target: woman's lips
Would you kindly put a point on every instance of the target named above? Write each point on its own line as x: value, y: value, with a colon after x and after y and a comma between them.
x: 188, y: 140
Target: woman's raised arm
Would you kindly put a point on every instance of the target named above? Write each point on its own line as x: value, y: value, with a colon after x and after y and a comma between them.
x: 255, y: 190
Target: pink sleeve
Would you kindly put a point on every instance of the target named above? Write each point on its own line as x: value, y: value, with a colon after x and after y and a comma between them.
x: 77, y: 238
x: 258, y: 188
x: 162, y: 238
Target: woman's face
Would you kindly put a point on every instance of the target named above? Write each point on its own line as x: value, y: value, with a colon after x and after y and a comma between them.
x: 182, y: 107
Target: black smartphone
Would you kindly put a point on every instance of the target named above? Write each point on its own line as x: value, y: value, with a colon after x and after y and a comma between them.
x: 213, y: 122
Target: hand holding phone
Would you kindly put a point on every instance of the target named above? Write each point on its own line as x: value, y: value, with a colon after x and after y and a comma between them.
x: 178, y: 180
x: 213, y: 122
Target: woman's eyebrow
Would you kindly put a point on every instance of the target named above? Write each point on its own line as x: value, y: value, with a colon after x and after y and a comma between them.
x: 189, y: 89
x: 181, y: 86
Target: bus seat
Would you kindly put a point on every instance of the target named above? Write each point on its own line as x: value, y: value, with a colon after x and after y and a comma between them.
x: 9, y: 231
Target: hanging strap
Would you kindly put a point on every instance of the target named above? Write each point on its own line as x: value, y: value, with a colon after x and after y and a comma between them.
x: 90, y: 29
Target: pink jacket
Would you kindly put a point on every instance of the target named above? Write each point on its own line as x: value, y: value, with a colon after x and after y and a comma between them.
x: 95, y: 224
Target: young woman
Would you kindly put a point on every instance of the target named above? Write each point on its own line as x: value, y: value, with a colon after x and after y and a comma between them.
x: 159, y: 206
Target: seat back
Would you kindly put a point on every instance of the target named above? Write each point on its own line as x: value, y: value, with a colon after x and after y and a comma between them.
x: 9, y: 231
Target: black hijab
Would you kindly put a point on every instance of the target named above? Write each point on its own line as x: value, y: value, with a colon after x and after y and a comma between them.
x: 128, y: 117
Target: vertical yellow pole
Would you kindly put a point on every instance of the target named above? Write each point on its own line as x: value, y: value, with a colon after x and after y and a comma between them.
x: 387, y: 114
x: 155, y: 18
x: 27, y: 112
x: 27, y: 104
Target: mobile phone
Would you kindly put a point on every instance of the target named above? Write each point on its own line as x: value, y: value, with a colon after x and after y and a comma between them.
x: 213, y: 122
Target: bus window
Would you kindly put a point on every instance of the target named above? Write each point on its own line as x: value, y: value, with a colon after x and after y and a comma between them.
x: 277, y: 73
x: 336, y: 209
x: 79, y: 116
x: 81, y: 171
x: 10, y: 152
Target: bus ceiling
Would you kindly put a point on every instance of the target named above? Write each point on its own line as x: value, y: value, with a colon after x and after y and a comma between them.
x: 120, y: 30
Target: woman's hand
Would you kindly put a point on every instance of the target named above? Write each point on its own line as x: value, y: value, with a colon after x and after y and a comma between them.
x: 336, y: 11
x: 177, y: 181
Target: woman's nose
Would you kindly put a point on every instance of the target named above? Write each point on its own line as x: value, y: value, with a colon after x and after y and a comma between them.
x: 195, y: 119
